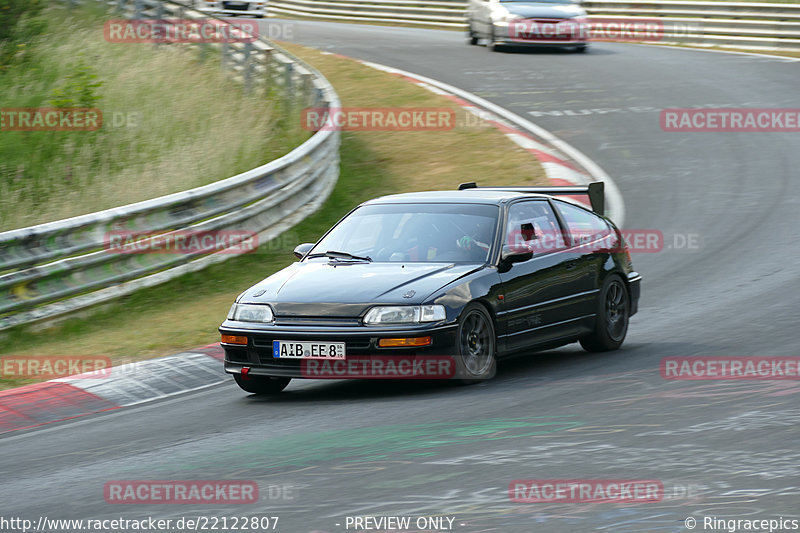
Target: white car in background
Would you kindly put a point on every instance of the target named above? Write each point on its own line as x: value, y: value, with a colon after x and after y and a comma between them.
x: 254, y: 8
x: 561, y: 23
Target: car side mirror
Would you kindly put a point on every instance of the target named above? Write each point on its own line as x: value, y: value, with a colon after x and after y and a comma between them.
x: 512, y: 254
x: 302, y: 249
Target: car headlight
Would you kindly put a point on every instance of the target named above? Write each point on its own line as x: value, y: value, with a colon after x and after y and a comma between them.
x: 505, y: 16
x: 404, y: 314
x: 251, y: 313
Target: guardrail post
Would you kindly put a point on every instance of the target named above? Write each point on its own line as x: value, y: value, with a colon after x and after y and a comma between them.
x: 224, y: 49
x: 288, y: 86
x: 305, y: 91
x: 267, y: 54
x: 202, y: 49
x: 318, y: 96
x: 248, y: 67
x: 159, y: 16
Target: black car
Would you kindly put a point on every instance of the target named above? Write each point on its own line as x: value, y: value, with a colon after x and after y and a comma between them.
x: 462, y: 276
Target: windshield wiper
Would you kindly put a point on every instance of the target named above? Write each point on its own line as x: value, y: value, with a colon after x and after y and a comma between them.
x: 343, y: 255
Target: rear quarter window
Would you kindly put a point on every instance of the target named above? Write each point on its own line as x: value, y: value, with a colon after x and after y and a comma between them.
x: 583, y: 226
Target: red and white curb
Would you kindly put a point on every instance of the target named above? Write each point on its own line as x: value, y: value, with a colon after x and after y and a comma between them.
x: 125, y: 385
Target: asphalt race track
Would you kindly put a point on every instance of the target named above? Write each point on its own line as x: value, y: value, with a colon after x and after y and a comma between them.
x: 324, y: 451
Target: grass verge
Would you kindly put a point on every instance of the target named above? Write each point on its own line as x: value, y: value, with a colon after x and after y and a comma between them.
x: 171, y: 122
x: 186, y: 312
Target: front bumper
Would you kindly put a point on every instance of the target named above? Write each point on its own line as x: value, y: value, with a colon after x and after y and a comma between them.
x: 634, y: 290
x: 360, y: 342
x: 257, y: 9
x: 505, y: 34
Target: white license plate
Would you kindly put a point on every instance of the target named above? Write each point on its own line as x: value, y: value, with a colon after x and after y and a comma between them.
x: 307, y: 350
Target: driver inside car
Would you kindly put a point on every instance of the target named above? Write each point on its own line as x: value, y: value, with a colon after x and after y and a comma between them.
x: 476, y: 245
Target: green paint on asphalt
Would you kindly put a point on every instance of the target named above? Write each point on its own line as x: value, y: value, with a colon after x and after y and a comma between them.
x: 364, y: 444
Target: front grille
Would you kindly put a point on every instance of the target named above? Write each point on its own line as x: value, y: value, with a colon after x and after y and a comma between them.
x: 237, y: 356
x: 239, y: 6
x: 546, y: 21
x: 268, y: 362
x: 562, y: 33
x: 316, y: 321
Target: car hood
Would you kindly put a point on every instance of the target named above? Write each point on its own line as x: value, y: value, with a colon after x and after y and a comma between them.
x: 544, y: 11
x: 322, y: 288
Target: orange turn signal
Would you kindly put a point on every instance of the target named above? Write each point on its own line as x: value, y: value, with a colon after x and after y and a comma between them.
x: 401, y: 343
x: 234, y: 339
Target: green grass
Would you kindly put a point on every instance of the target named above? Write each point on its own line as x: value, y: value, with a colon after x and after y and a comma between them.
x: 185, y: 313
x: 190, y: 125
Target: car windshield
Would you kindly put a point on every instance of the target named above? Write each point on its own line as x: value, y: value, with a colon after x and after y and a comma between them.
x: 425, y: 233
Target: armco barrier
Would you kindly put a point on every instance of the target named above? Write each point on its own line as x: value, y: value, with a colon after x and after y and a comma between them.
x: 756, y: 26
x: 441, y: 13
x: 59, y: 267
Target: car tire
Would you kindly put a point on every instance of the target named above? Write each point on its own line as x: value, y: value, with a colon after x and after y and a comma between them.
x: 613, y: 314
x: 581, y: 48
x: 492, y: 45
x: 472, y: 38
x: 476, y: 345
x: 261, y: 384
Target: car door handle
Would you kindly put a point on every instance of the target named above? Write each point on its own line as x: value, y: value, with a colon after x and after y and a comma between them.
x: 572, y: 265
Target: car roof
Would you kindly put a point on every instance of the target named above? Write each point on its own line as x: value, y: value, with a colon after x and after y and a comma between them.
x: 468, y: 196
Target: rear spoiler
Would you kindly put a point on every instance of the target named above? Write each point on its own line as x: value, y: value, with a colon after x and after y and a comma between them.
x: 595, y: 192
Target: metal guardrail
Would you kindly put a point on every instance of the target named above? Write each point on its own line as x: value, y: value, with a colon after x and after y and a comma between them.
x: 757, y: 26
x: 59, y: 267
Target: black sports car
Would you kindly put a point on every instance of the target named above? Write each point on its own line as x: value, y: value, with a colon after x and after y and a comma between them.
x: 437, y: 284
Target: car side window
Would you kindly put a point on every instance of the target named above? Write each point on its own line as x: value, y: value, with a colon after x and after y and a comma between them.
x: 584, y: 226
x: 532, y: 226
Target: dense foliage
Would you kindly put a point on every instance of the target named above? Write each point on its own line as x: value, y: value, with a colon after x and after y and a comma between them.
x: 18, y: 25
